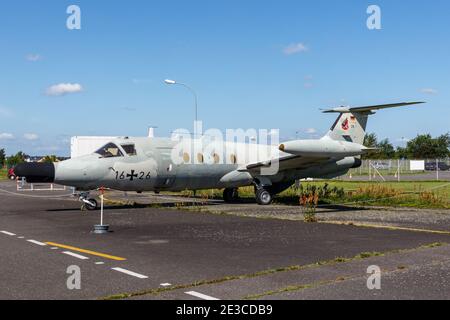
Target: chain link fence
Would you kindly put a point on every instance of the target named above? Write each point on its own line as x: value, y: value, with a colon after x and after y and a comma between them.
x: 401, y: 170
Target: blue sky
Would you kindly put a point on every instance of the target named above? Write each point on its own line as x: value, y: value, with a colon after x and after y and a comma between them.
x: 239, y: 57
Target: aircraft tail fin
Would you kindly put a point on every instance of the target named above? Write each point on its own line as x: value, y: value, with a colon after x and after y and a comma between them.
x: 351, y: 123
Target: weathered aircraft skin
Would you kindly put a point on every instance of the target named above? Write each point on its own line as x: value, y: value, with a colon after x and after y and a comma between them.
x: 158, y: 164
x: 152, y: 169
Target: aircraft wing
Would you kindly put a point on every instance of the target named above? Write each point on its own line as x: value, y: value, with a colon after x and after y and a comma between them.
x: 286, y: 163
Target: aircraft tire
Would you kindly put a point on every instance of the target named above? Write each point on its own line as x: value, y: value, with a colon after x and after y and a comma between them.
x: 264, y: 197
x: 91, y: 207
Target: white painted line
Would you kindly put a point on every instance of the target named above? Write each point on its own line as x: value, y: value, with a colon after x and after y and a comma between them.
x: 20, y: 237
x: 8, y: 233
x: 130, y: 273
x: 165, y: 284
x: 99, y: 263
x: 200, y: 295
x: 37, y: 242
x: 76, y: 255
x: 54, y: 248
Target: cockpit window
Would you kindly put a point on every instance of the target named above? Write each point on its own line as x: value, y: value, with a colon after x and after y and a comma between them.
x: 130, y: 149
x: 110, y: 151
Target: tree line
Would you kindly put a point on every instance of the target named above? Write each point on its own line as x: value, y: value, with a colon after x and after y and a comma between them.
x: 20, y: 157
x: 421, y: 147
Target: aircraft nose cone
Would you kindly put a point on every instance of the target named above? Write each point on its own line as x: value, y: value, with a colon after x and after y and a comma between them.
x: 36, y: 172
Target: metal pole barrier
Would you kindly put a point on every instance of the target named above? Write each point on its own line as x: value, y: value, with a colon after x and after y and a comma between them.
x: 437, y: 169
x: 376, y: 171
x: 101, y: 228
x: 101, y: 209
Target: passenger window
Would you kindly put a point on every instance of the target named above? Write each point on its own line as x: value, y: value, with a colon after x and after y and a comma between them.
x: 109, y: 151
x: 129, y: 149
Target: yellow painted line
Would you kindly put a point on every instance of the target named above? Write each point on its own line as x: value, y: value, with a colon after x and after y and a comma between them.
x: 92, y: 253
x: 364, y: 225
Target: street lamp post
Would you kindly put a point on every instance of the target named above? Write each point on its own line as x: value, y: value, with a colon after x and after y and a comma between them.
x: 173, y: 82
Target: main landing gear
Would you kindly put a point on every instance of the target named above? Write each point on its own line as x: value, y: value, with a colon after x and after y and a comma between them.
x: 88, y: 203
x: 231, y: 195
x: 263, y: 197
x: 264, y: 192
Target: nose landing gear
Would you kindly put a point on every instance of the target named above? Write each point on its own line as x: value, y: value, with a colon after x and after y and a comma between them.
x: 87, y: 203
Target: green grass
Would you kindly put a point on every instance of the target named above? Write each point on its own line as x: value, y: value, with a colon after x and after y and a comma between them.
x: 3, y: 174
x: 431, y: 194
x: 406, y: 186
x: 428, y: 194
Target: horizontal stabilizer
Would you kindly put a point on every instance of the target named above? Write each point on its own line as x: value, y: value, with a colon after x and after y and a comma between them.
x: 369, y: 108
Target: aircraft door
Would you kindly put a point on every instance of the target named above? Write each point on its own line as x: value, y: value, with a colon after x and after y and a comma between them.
x: 166, y: 170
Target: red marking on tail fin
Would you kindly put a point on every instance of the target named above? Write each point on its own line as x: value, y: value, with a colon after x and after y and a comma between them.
x: 345, y: 125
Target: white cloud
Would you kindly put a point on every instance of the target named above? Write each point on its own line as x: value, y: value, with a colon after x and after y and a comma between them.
x: 311, y: 131
x: 6, y: 136
x: 48, y: 149
x: 63, y: 89
x: 429, y: 91
x: 295, y: 48
x: 307, y: 133
x: 31, y: 136
x: 33, y: 57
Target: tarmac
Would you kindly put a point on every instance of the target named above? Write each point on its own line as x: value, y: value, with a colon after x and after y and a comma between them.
x: 177, y: 252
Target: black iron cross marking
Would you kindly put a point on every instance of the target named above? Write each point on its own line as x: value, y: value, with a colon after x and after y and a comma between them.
x: 132, y: 175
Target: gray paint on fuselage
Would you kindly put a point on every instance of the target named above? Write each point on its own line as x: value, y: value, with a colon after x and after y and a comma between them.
x: 154, y: 157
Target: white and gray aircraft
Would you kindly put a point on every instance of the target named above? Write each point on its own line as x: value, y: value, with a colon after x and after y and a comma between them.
x: 147, y: 164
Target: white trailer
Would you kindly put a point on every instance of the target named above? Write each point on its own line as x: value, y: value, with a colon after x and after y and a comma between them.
x: 415, y: 165
x: 81, y: 146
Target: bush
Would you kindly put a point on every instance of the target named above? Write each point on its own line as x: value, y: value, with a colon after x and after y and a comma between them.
x: 309, y: 200
x: 324, y: 193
